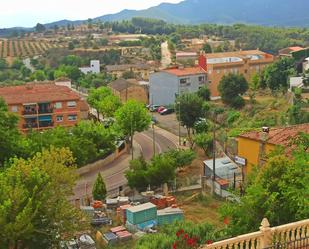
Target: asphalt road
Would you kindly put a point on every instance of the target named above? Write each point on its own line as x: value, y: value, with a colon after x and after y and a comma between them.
x: 113, y: 173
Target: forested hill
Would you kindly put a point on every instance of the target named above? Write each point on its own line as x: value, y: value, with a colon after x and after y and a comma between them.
x: 261, y: 12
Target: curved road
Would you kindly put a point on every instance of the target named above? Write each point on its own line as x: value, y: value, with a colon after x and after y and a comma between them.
x: 113, y: 173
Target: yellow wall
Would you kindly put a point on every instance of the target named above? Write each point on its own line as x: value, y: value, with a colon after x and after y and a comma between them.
x: 250, y: 149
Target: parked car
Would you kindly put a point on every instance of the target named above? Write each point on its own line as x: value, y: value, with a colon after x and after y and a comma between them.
x: 153, y: 108
x: 167, y: 111
x: 161, y: 108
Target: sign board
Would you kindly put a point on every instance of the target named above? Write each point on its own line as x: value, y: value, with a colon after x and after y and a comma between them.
x: 240, y: 160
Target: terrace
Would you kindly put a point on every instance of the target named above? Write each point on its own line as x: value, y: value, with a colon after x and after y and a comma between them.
x: 293, y: 235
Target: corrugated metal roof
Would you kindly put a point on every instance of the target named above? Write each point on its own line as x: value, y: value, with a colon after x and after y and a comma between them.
x: 141, y: 207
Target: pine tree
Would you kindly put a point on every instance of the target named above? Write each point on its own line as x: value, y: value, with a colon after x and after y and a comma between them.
x: 99, y: 189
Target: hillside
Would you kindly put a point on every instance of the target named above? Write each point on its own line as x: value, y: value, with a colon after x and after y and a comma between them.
x: 262, y: 12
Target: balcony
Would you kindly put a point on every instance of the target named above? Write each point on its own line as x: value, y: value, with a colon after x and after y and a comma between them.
x: 44, y: 111
x: 46, y: 124
x: 29, y: 112
x: 30, y: 125
x: 293, y: 235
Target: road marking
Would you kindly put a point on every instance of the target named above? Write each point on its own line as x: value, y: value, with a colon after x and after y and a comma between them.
x: 150, y: 138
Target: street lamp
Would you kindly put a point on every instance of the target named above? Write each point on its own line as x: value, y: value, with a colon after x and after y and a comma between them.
x: 153, y: 138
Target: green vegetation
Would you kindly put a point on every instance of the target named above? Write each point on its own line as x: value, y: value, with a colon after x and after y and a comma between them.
x: 161, y: 169
x: 104, y: 102
x: 99, y: 189
x: 275, y: 191
x: 231, y: 87
x: 132, y: 117
x: 28, y: 190
x: 189, y: 108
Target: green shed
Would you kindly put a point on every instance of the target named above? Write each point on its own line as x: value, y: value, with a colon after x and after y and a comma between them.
x: 141, y: 213
x: 169, y: 215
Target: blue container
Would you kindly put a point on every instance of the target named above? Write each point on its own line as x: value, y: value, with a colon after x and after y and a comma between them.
x: 141, y: 213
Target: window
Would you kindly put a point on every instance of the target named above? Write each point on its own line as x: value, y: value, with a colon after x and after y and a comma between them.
x: 184, y: 81
x: 72, y: 117
x: 58, y: 105
x: 71, y: 103
x: 257, y: 68
x: 201, y: 78
x: 209, y: 71
x: 246, y: 71
x: 14, y: 108
x: 218, y: 71
x: 59, y: 118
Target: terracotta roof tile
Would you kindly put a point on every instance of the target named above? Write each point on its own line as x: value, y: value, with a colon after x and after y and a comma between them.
x: 184, y: 71
x: 35, y: 93
x: 279, y: 136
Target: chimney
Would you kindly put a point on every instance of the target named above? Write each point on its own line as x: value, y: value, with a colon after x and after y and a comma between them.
x: 202, y: 61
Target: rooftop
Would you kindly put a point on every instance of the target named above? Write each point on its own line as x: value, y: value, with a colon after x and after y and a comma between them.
x: 278, y: 136
x: 120, y: 84
x: 141, y: 207
x: 36, y: 93
x: 123, y: 67
x: 225, y: 57
x: 184, y: 71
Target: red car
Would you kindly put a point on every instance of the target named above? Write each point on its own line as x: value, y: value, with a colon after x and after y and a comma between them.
x: 160, y: 109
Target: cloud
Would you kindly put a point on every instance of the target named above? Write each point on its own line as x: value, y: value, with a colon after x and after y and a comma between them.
x: 28, y: 13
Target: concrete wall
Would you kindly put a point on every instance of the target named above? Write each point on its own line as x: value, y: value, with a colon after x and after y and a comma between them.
x: 164, y: 87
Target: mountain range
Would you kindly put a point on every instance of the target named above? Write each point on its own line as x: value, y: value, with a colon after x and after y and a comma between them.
x: 260, y: 12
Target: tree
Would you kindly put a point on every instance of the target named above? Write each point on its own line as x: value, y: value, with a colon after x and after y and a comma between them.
x: 132, y: 117
x: 11, y: 140
x: 71, y: 46
x: 34, y: 207
x: 204, y: 93
x: 231, y: 87
x: 277, y: 74
x: 39, y: 75
x: 17, y: 64
x: 275, y: 191
x: 103, y: 101
x: 137, y: 174
x: 204, y: 141
x: 3, y: 64
x: 207, y: 48
x: 40, y: 28
x: 253, y: 87
x: 190, y: 109
x: 99, y: 189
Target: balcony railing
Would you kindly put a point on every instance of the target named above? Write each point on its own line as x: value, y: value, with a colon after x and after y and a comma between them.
x: 30, y: 125
x: 293, y: 235
x: 46, y: 124
x: 29, y: 112
x: 42, y: 111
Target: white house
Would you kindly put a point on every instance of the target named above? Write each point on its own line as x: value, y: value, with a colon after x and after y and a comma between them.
x: 94, y: 67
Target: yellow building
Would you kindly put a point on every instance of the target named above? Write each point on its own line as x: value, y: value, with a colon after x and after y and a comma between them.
x: 246, y: 63
x: 126, y: 90
x: 141, y: 71
x: 255, y: 146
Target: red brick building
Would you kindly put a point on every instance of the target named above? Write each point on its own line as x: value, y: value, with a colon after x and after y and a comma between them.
x: 43, y: 105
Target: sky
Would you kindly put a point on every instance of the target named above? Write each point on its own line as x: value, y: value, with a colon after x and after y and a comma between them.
x: 27, y: 13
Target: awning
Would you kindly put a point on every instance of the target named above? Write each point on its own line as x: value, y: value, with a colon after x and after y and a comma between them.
x: 45, y: 118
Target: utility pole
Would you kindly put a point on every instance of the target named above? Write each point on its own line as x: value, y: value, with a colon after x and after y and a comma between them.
x: 153, y: 130
x: 179, y: 114
x: 214, y: 160
x: 132, y: 136
x: 153, y: 139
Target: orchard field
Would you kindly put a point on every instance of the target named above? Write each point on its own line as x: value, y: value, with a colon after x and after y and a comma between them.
x: 10, y: 48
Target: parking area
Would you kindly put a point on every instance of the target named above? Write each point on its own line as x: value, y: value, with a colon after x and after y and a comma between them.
x: 169, y: 122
